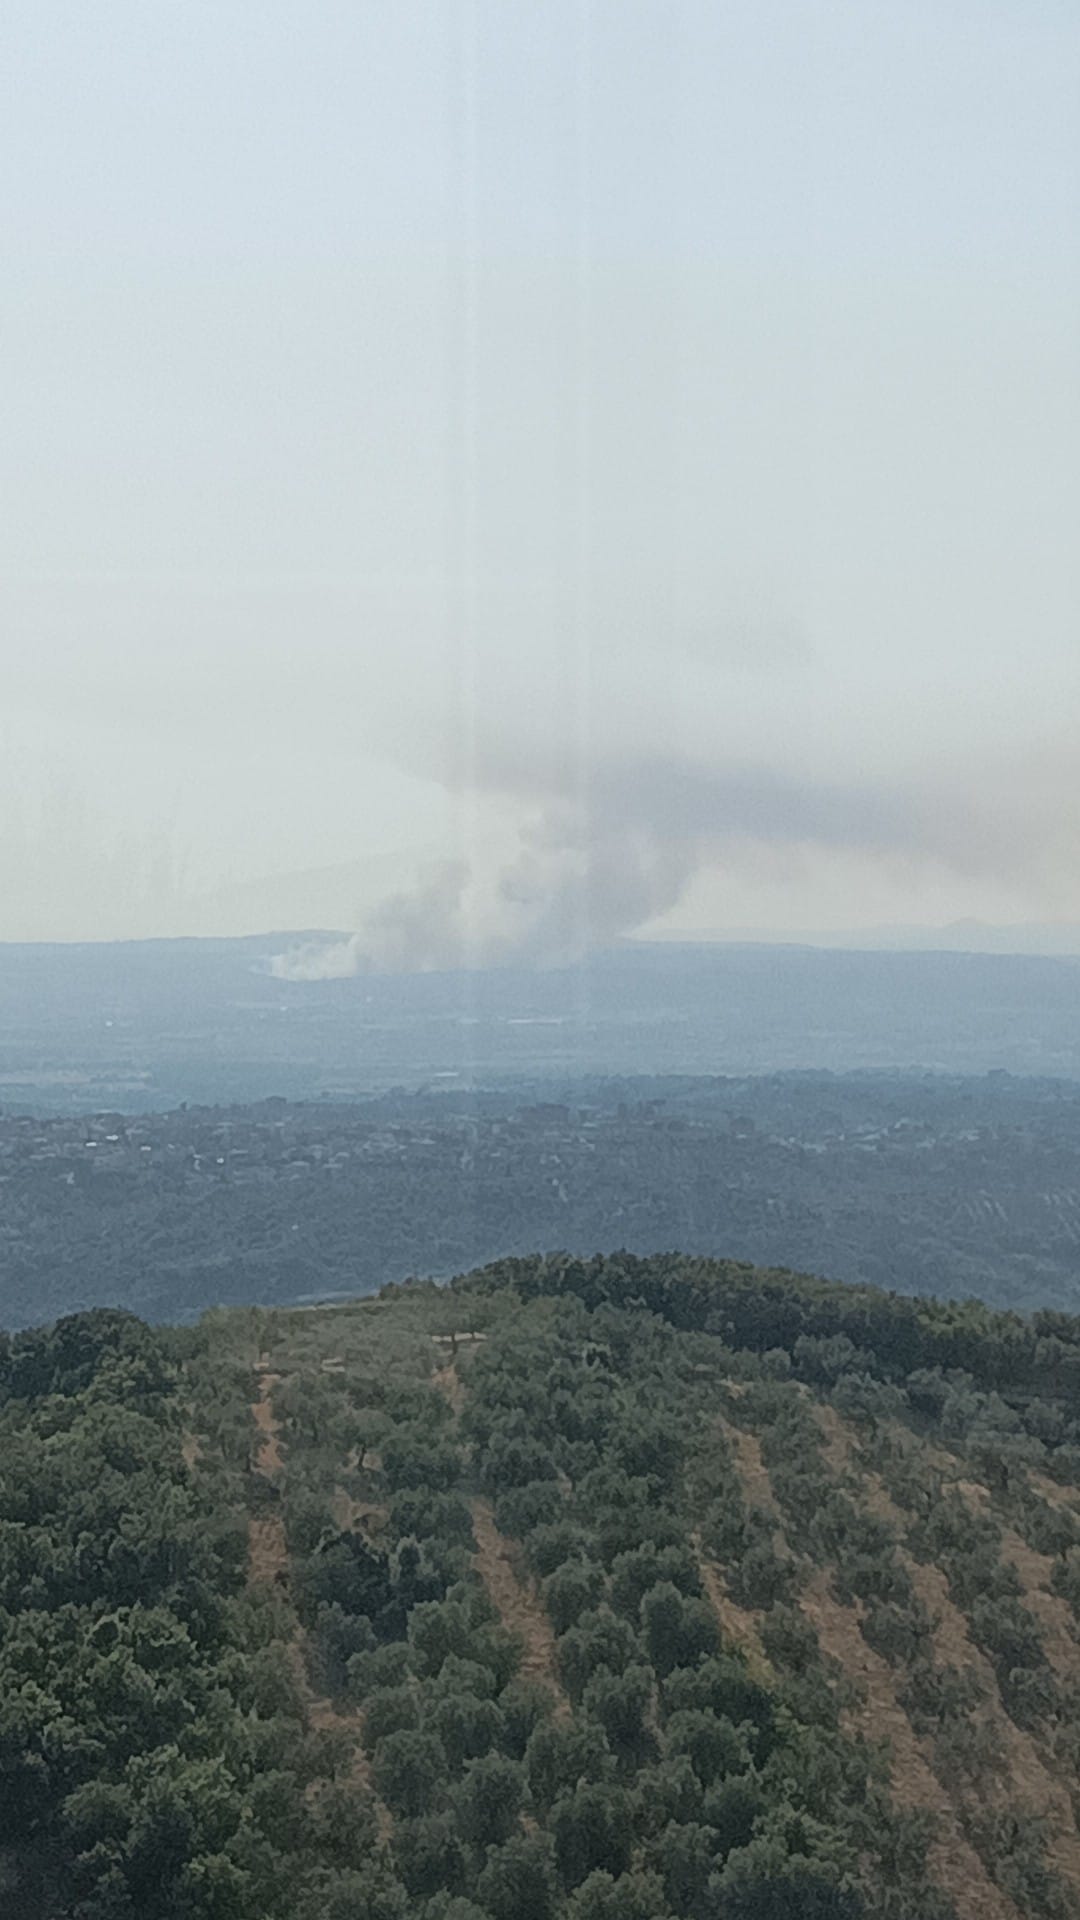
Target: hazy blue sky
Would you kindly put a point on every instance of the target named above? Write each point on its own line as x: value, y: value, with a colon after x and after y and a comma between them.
x: 632, y: 448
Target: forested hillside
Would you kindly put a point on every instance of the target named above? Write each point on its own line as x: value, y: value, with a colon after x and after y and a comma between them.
x: 623, y: 1589
x: 914, y: 1182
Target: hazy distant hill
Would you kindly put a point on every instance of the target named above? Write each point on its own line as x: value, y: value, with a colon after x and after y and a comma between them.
x: 1055, y: 938
x: 151, y: 1024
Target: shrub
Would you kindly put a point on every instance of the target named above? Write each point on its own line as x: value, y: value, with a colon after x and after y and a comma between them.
x: 600, y: 1639
x: 592, y: 1832
x: 572, y: 1590
x: 560, y: 1753
x: 518, y: 1881
x: 408, y: 1767
x: 488, y: 1798
x: 678, y: 1632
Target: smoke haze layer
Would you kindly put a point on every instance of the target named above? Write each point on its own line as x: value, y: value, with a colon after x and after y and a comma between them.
x: 496, y: 476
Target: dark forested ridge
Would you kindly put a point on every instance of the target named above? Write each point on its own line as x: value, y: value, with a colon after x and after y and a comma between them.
x: 618, y: 1589
x: 917, y: 1183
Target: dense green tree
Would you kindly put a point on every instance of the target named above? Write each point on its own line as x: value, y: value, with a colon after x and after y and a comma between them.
x: 678, y: 1631
x: 518, y: 1880
x: 573, y: 1589
x: 408, y: 1766
x: 634, y: 1573
x: 592, y: 1831
x: 632, y: 1896
x: 389, y: 1710
x: 714, y: 1747
x: 600, y: 1639
x: 560, y: 1753
x: 488, y: 1799
x: 429, y: 1856
x: 667, y: 1791
x: 524, y: 1706
x: 687, y: 1857
x: 467, y: 1725
x: 621, y: 1704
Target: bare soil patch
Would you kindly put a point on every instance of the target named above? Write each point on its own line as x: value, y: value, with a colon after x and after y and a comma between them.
x: 268, y: 1556
x: 954, y: 1864
x: 356, y: 1516
x: 839, y: 1447
x: 753, y: 1472
x: 1029, y: 1777
x: 1052, y: 1613
x: 517, y: 1600
x: 268, y: 1560
x: 1053, y: 1492
x: 269, y: 1459
x: 738, y: 1624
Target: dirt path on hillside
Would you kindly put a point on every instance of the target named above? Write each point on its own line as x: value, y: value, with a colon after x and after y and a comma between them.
x: 268, y: 1554
x: 1052, y: 1613
x: 518, y: 1602
x: 1054, y: 1493
x: 268, y: 1560
x: 269, y: 1459
x: 446, y: 1378
x: 738, y: 1624
x: 753, y: 1472
x: 954, y: 1864
x: 515, y: 1596
x: 1036, y: 1778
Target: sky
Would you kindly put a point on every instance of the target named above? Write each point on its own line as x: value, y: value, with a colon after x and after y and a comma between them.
x: 490, y: 479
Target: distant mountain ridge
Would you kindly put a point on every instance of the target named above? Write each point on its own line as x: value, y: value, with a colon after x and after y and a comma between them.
x: 1036, y: 939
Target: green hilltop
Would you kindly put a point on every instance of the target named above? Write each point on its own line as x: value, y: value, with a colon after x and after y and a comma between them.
x: 613, y: 1589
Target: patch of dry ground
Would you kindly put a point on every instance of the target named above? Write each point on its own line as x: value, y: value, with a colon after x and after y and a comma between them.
x: 1053, y: 1492
x: 269, y: 1459
x: 268, y: 1560
x: 519, y: 1605
x: 753, y: 1472
x: 954, y: 1864
x: 1052, y: 1613
x: 353, y: 1515
x: 738, y: 1624
x: 513, y: 1594
x: 446, y: 1379
x: 268, y: 1556
x: 1030, y: 1778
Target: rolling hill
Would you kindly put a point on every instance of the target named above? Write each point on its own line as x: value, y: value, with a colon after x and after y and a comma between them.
x: 615, y: 1589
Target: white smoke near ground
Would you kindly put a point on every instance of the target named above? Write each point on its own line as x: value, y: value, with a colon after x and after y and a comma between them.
x: 418, y: 929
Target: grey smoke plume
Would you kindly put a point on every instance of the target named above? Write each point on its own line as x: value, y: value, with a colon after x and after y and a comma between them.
x: 622, y: 852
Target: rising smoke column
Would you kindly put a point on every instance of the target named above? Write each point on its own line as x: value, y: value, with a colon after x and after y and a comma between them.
x: 598, y: 866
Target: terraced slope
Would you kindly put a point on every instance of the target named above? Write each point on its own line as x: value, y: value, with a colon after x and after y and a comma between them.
x: 557, y: 1603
